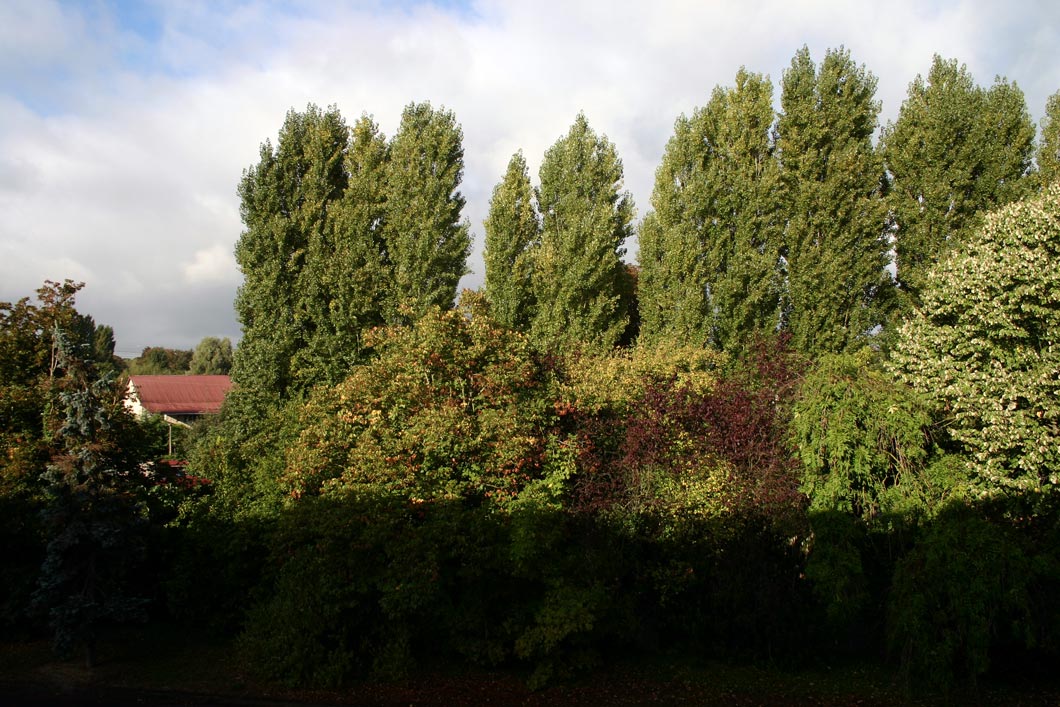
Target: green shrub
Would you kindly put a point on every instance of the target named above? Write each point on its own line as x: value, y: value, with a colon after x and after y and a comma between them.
x: 964, y: 587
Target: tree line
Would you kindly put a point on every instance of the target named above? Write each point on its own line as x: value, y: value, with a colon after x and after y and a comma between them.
x: 765, y: 441
x: 760, y: 222
x: 211, y: 356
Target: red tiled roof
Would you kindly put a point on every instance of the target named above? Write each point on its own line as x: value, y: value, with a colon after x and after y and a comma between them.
x: 181, y: 394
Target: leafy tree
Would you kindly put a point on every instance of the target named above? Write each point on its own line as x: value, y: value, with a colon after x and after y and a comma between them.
x: 157, y: 361
x: 27, y: 365
x: 955, y: 151
x: 683, y: 428
x: 69, y: 450
x: 710, y: 253
x: 213, y: 356
x: 578, y: 274
x: 862, y: 439
x: 513, y: 232
x: 28, y: 362
x: 426, y: 241
x: 346, y: 280
x: 287, y: 203
x: 452, y: 406
x: 1048, y: 156
x: 983, y: 346
x: 966, y: 593
x: 674, y: 302
x: 832, y: 184
x: 103, y: 349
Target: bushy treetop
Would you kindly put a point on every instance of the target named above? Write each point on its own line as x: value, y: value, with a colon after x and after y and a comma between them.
x: 985, y: 346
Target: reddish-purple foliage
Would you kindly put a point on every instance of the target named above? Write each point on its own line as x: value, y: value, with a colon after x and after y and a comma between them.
x: 741, y: 422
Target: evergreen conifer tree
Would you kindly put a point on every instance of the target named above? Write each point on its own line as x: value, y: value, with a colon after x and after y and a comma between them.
x: 93, y: 517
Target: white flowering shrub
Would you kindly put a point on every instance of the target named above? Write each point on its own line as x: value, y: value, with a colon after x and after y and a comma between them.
x: 985, y: 346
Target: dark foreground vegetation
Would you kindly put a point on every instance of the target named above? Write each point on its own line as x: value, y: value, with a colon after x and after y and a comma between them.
x: 757, y: 449
x: 165, y: 665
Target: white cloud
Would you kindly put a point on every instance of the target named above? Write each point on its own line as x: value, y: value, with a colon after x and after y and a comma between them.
x: 212, y: 265
x: 127, y: 178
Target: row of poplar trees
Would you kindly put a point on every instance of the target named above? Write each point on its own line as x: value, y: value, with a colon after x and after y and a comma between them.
x: 763, y: 222
x: 345, y: 231
x: 760, y: 221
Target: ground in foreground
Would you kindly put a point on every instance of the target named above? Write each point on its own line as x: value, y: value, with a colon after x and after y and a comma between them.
x: 167, y: 667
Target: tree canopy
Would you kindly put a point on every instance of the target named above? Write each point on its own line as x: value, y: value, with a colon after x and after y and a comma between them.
x: 709, y: 253
x: 578, y: 278
x: 983, y: 346
x: 212, y: 356
x: 344, y: 232
x: 955, y: 151
x: 427, y: 243
x: 1048, y: 155
x: 513, y: 233
x: 287, y: 204
x: 832, y: 181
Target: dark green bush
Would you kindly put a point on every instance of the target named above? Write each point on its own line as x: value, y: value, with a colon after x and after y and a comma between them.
x: 964, y: 588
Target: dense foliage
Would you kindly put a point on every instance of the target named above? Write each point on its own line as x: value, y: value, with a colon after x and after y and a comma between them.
x: 862, y: 438
x: 513, y: 232
x: 579, y: 279
x: 772, y: 470
x: 160, y: 361
x: 983, y: 347
x: 344, y: 232
x: 833, y: 181
x: 72, y: 488
x: 955, y: 151
x: 212, y: 356
x: 710, y: 251
x: 427, y: 243
x: 1049, y: 146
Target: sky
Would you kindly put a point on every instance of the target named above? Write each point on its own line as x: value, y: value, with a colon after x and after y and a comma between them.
x: 125, y: 126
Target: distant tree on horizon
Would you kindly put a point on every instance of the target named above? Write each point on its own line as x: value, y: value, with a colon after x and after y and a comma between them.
x: 158, y: 360
x: 212, y: 356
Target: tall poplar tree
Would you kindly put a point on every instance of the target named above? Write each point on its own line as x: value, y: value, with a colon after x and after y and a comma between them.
x: 426, y: 241
x: 832, y: 178
x: 346, y: 280
x: 672, y: 293
x: 513, y: 232
x: 955, y: 151
x: 586, y: 218
x: 710, y: 253
x: 287, y: 203
x: 1048, y: 156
